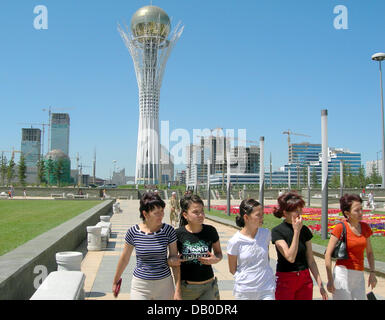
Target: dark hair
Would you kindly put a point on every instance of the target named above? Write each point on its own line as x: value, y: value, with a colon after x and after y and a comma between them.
x: 246, y: 207
x: 185, y: 204
x: 149, y: 201
x: 289, y: 201
x: 346, y: 202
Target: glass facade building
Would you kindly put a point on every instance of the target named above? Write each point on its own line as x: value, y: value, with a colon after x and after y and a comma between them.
x: 31, y: 146
x: 296, y: 171
x: 60, y: 132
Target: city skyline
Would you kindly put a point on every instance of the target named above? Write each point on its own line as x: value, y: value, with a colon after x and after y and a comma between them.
x: 264, y: 67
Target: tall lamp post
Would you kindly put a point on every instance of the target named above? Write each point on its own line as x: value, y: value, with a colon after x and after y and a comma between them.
x: 381, y: 57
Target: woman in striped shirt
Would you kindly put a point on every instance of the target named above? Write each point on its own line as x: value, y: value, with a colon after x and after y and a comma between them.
x: 152, y: 276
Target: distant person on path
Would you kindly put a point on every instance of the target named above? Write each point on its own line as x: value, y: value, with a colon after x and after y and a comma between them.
x: 104, y: 194
x: 292, y: 240
x: 195, y: 243
x: 101, y: 194
x: 152, y: 278
x: 347, y: 280
x: 248, y: 255
x: 174, y: 210
x: 371, y: 200
x: 24, y: 194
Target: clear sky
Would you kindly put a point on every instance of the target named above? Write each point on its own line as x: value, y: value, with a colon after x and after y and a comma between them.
x: 265, y: 66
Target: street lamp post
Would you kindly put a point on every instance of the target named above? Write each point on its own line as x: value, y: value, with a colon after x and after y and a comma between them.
x: 381, y: 57
x: 228, y: 184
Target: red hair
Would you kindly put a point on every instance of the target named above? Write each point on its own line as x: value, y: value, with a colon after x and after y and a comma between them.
x: 289, y: 201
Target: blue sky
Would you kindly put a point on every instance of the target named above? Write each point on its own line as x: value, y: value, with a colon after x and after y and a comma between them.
x: 264, y: 66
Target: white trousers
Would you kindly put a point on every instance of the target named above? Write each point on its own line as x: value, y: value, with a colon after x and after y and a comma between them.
x: 261, y: 295
x: 349, y: 284
x: 152, y: 289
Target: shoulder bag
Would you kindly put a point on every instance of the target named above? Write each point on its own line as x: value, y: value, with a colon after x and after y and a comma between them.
x: 340, y: 251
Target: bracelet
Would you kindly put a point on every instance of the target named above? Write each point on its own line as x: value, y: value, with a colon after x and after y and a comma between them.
x: 372, y: 271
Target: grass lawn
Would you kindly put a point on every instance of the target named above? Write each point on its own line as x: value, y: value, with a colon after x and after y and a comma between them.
x: 270, y: 221
x: 23, y: 220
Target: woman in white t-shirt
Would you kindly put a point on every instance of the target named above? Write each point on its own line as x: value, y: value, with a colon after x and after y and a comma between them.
x: 248, y: 255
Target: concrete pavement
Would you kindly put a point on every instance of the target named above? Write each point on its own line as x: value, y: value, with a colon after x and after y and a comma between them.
x: 100, y: 266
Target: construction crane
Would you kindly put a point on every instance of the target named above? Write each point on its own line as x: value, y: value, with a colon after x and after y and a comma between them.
x: 288, y: 132
x: 13, y: 152
x: 38, y: 124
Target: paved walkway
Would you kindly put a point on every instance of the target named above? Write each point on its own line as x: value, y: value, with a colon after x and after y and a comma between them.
x: 100, y: 266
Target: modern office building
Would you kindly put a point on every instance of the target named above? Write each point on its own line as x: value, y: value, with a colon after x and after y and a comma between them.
x: 150, y: 48
x: 60, y: 132
x: 373, y: 165
x: 119, y: 177
x: 166, y: 165
x: 181, y: 177
x: 31, y: 146
x: 243, y: 160
x: 296, y: 172
x: 31, y: 150
x: 304, y: 153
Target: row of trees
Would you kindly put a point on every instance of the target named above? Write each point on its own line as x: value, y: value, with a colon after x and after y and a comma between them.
x: 8, y: 170
x: 350, y: 180
x: 49, y: 172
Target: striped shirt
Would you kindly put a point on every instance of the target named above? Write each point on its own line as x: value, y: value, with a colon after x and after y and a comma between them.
x: 151, y: 251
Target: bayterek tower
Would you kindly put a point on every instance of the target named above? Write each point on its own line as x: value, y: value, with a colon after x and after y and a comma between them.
x: 150, y: 42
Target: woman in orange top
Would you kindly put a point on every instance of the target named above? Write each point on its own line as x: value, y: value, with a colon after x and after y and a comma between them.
x: 347, y: 281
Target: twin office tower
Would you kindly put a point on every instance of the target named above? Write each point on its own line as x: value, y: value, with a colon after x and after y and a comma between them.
x: 32, y: 142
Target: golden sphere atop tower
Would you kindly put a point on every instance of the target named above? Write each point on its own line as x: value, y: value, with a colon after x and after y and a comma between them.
x: 150, y: 23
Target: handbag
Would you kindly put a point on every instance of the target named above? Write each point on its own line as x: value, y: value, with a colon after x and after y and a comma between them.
x: 371, y: 296
x: 340, y: 251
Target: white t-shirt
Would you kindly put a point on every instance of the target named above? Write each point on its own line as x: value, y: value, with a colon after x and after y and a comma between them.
x: 253, y: 269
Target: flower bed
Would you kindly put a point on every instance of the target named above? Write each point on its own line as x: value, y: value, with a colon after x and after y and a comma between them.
x: 375, y: 221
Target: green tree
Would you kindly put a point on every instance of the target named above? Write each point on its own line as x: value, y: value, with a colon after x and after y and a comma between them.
x: 335, y: 181
x: 375, y: 177
x: 3, y: 169
x: 58, y: 171
x: 348, y: 177
x: 304, y: 176
x: 40, y: 172
x: 49, y: 169
x: 10, y: 171
x: 361, y: 179
x: 314, y: 178
x: 22, y: 170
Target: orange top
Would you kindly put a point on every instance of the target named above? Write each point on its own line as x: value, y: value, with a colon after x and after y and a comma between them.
x: 356, y: 245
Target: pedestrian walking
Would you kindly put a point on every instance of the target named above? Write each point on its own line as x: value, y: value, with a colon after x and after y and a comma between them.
x: 292, y: 240
x: 24, y: 194
x: 346, y: 282
x: 196, y: 241
x: 371, y: 200
x: 248, y: 255
x: 174, y: 210
x: 151, y: 239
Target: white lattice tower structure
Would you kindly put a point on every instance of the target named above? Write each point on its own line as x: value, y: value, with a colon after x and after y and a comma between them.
x: 150, y: 47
